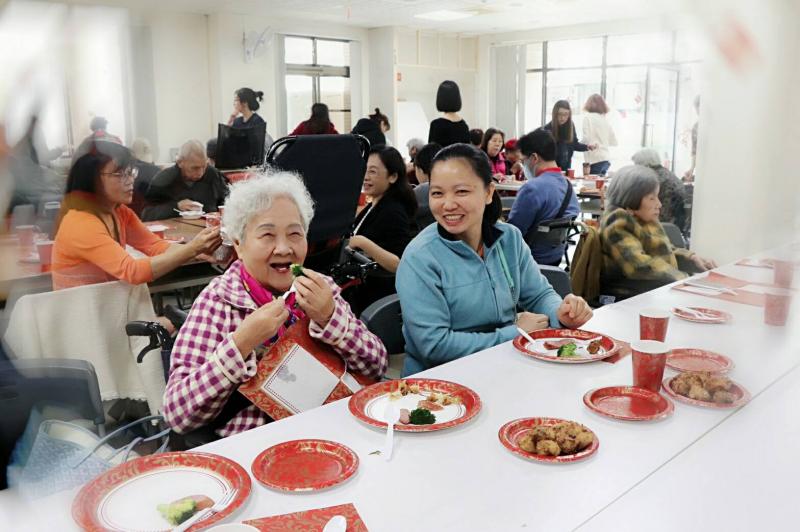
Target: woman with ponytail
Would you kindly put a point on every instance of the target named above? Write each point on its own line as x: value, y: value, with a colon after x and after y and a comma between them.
x: 461, y: 280
x: 245, y: 105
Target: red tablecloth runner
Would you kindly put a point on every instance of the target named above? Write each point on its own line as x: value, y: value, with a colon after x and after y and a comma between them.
x: 624, y: 351
x: 310, y: 520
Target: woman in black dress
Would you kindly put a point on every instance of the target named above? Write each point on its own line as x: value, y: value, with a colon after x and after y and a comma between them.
x: 451, y: 128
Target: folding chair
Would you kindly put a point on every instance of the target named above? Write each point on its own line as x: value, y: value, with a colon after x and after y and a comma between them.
x: 558, y: 279
x: 384, y: 319
x: 674, y: 234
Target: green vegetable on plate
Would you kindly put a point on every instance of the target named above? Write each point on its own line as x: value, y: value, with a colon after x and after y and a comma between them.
x: 567, y: 350
x: 179, y: 511
x: 421, y: 416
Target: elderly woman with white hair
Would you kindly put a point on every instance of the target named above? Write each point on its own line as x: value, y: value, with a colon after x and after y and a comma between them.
x: 240, y: 314
x: 671, y: 192
x: 637, y: 254
x: 192, y: 184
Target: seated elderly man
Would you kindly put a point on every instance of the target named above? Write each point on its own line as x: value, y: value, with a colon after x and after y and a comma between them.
x: 671, y: 192
x: 190, y: 182
x: 637, y: 254
x: 240, y: 314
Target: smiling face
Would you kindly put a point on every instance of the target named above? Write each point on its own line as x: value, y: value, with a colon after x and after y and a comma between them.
x: 494, y: 145
x: 116, y: 184
x: 458, y: 198
x: 563, y: 115
x: 273, y: 240
x: 377, y: 179
x: 649, y: 209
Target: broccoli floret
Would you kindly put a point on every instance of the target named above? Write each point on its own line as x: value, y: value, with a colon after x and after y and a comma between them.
x: 567, y: 350
x: 421, y: 416
x: 297, y: 270
x: 178, y: 511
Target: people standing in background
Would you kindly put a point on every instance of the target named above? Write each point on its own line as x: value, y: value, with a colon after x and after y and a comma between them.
x: 422, y: 167
x: 450, y: 128
x: 476, y: 137
x: 373, y: 128
x: 319, y: 123
x: 514, y: 158
x: 492, y: 146
x: 98, y: 125
x: 143, y: 162
x: 671, y: 192
x: 563, y: 130
x: 597, y: 131
x: 183, y: 186
x: 688, y: 176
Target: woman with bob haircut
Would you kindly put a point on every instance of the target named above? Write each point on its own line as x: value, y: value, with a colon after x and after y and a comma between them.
x: 637, y: 254
x: 462, y: 279
x: 492, y: 145
x: 95, y: 225
x: 240, y: 314
x: 450, y: 128
x: 597, y: 132
x: 671, y: 192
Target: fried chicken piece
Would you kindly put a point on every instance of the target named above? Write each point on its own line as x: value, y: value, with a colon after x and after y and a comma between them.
x: 718, y: 383
x: 699, y: 393
x: 584, y: 440
x: 681, y: 387
x: 568, y: 444
x: 542, y: 432
x: 722, y: 396
x: 527, y: 443
x: 594, y: 346
x: 548, y: 447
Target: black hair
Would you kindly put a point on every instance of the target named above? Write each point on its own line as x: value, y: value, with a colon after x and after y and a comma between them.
x: 85, y: 172
x: 565, y: 133
x: 479, y: 162
x: 491, y: 132
x: 211, y: 148
x: 98, y: 123
x: 380, y: 118
x: 475, y: 136
x: 448, y: 97
x: 425, y: 155
x: 320, y: 119
x: 400, y: 189
x: 539, y: 141
x: 250, y: 97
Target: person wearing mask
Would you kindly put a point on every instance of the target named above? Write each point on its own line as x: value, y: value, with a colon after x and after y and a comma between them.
x: 476, y: 137
x: 386, y: 225
x: 422, y: 167
x: 597, y: 132
x: 492, y: 146
x: 450, y: 128
x: 671, y: 191
x: 514, y: 158
x: 563, y: 129
x: 548, y: 195
x: 191, y: 181
x: 95, y: 226
x: 319, y: 123
x: 374, y: 128
x: 462, y: 280
x: 143, y: 162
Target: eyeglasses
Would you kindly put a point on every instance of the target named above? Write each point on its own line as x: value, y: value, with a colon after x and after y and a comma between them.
x: 129, y: 174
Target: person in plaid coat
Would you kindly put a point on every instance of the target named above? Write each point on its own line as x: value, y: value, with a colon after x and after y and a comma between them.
x: 635, y: 246
x: 241, y: 313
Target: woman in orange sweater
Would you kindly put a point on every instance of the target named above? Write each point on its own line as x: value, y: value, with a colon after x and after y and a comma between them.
x: 96, y: 225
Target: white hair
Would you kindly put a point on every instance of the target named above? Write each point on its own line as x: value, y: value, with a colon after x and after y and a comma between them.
x: 141, y: 150
x: 646, y: 157
x: 255, y: 195
x: 630, y: 184
x: 415, y: 143
x: 192, y: 148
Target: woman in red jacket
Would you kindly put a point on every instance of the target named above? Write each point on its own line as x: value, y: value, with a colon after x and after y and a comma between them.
x: 318, y: 124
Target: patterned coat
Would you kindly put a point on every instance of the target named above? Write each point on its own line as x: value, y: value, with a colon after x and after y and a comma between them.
x: 207, y: 367
x: 637, y: 251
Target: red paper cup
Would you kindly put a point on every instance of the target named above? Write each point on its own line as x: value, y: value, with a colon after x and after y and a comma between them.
x: 213, y: 219
x: 599, y: 182
x: 653, y: 324
x: 45, y: 249
x: 221, y: 210
x: 570, y: 173
x: 649, y: 359
x: 26, y: 234
x: 776, y: 310
x: 784, y: 272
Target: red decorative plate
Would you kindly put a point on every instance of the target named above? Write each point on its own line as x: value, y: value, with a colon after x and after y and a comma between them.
x: 304, y: 465
x: 541, y: 350
x: 698, y: 360
x: 126, y: 497
x: 511, y: 432
x: 628, y: 403
x: 710, y: 315
x: 369, y: 404
x: 741, y: 394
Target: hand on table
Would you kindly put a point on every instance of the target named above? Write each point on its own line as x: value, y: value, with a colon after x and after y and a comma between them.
x: 574, y: 312
x: 528, y: 321
x: 703, y: 264
x: 189, y: 205
x: 315, y: 297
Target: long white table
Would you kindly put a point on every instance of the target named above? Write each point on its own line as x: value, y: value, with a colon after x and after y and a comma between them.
x: 464, y: 479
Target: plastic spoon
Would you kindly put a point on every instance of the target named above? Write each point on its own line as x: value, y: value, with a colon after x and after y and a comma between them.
x: 391, y: 416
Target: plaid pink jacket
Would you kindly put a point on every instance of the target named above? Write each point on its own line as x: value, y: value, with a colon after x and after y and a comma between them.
x: 206, y: 365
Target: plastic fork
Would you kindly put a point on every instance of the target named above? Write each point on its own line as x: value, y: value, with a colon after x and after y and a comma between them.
x: 199, y: 516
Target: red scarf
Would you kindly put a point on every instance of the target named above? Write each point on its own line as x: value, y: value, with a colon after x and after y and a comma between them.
x: 261, y: 296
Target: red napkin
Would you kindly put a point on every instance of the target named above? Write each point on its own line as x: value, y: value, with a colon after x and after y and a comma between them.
x: 742, y: 296
x: 310, y: 520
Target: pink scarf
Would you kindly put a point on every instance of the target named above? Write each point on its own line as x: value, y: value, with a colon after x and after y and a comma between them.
x: 261, y: 296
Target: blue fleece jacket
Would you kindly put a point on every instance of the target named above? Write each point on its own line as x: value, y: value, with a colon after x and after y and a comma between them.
x: 455, y: 303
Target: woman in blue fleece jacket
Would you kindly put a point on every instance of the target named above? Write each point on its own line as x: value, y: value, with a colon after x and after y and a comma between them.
x: 461, y: 280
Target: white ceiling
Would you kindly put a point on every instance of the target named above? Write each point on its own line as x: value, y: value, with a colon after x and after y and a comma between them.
x: 492, y: 16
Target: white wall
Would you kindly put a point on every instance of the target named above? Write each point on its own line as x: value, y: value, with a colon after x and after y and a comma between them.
x: 382, y: 87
